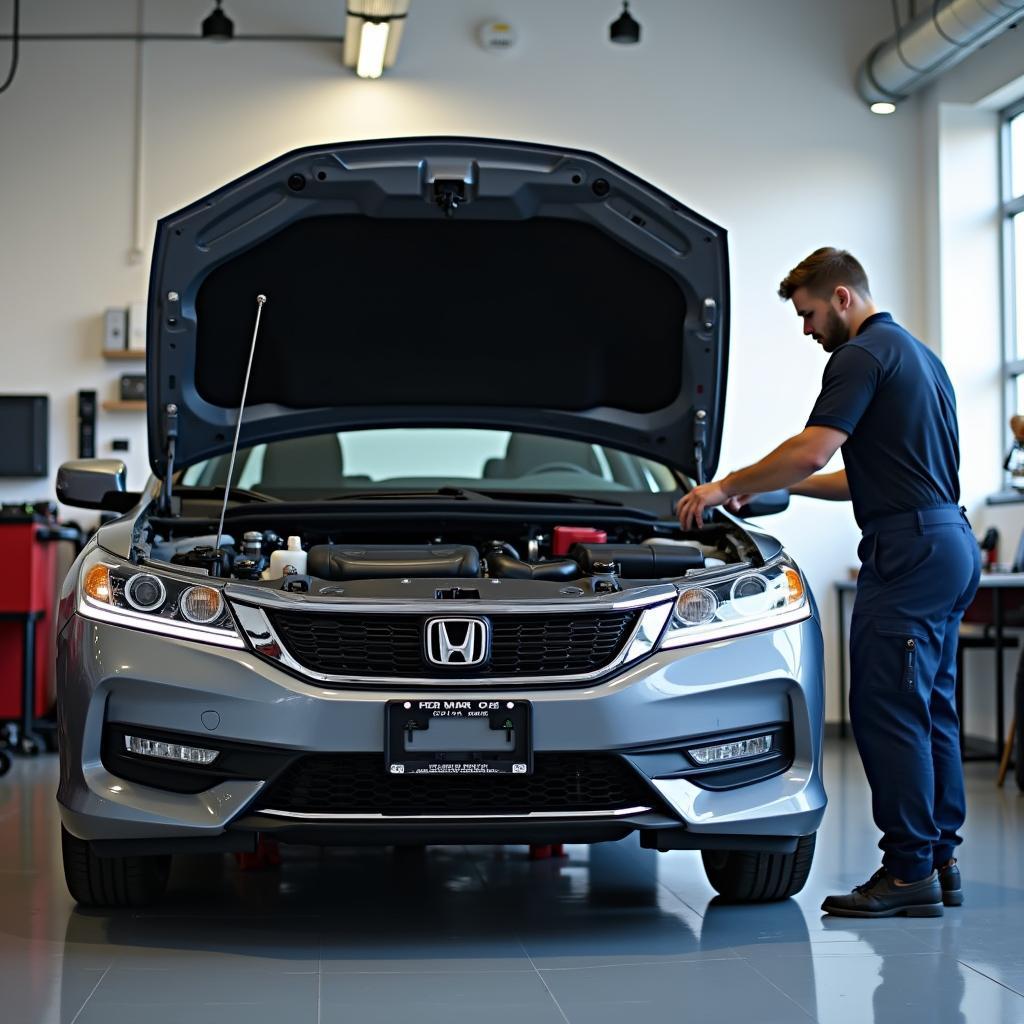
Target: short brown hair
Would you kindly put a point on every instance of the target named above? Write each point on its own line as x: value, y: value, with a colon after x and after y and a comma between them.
x: 823, y: 271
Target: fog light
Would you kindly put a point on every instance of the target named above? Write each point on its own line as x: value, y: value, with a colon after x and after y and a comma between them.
x: 201, y: 604
x: 696, y: 606
x: 731, y: 751
x: 169, y: 751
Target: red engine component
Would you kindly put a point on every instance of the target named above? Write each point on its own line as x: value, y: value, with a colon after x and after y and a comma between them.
x: 563, y: 538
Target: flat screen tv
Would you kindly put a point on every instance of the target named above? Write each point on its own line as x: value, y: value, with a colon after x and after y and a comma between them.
x: 24, y: 435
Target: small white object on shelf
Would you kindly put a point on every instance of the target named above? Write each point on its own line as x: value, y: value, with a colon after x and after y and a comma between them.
x: 115, y: 331
x: 137, y: 327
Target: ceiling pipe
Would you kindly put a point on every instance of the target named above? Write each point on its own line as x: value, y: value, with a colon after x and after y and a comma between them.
x: 930, y: 44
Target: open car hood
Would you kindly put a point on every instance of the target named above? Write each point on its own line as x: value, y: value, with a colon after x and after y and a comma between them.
x: 439, y: 281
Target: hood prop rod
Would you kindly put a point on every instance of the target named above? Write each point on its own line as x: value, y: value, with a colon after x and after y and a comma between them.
x: 700, y: 435
x: 260, y: 300
x: 171, y: 434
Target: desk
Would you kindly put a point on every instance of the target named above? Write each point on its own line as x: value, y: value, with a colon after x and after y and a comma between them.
x: 992, y: 585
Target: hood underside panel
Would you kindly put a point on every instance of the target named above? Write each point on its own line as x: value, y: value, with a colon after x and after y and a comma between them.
x: 363, y: 312
x: 440, y: 282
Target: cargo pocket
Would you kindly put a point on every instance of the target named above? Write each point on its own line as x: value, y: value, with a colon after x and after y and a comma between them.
x: 899, y: 651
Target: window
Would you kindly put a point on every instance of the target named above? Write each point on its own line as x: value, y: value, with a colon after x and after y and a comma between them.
x: 1013, y: 255
x: 425, y: 458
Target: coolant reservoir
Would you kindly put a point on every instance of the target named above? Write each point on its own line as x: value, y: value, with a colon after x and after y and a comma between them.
x: 292, y: 558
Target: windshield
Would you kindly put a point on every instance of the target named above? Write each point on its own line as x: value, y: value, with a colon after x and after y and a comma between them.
x: 425, y: 459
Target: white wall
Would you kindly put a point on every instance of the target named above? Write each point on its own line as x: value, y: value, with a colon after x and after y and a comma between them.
x: 743, y: 109
x: 960, y: 128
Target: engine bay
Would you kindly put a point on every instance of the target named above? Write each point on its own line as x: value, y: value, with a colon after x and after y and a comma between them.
x: 462, y: 563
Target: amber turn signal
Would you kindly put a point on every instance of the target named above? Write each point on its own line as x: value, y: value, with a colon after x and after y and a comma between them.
x: 796, y: 586
x: 97, y: 583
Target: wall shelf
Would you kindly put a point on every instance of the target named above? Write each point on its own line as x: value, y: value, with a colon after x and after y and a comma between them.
x: 128, y: 353
x: 138, y: 406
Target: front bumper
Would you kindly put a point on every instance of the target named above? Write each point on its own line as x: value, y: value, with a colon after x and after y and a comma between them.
x: 110, y: 674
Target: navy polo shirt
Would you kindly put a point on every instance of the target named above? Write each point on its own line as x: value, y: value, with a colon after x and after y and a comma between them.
x: 892, y: 396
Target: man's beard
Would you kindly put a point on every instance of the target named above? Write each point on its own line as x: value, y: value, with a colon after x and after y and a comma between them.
x: 836, y: 332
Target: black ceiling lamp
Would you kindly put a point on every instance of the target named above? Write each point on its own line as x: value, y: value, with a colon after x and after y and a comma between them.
x: 218, y: 26
x: 625, y: 28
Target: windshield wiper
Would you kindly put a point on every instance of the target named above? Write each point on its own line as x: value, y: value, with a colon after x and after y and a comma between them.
x: 235, y: 493
x: 554, y: 496
x: 462, y: 493
x: 441, y: 492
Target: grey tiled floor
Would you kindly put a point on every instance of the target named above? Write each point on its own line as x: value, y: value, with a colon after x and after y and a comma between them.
x: 481, y: 934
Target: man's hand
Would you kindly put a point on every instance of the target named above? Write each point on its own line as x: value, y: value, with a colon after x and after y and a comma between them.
x: 690, y: 507
x: 737, y: 501
x: 793, y: 461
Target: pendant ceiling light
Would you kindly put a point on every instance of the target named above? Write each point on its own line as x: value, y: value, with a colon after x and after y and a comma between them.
x: 625, y: 28
x: 218, y: 26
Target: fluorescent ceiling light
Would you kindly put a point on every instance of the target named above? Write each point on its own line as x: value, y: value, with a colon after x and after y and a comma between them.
x: 373, y: 44
x: 373, y: 30
x: 883, y: 107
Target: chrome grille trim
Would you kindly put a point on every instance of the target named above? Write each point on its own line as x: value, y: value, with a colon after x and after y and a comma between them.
x: 264, y: 640
x: 619, y: 601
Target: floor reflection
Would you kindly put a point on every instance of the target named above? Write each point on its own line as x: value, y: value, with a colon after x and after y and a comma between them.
x: 446, y: 909
x: 609, y: 933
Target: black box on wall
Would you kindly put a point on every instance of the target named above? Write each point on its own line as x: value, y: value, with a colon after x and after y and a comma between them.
x: 133, y: 387
x: 87, y: 424
x: 25, y: 426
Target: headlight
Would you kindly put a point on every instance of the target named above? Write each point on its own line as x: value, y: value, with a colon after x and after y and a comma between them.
x: 721, y: 605
x: 158, y: 602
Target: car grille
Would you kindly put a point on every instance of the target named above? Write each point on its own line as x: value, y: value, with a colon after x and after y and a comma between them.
x: 358, y: 784
x: 392, y: 645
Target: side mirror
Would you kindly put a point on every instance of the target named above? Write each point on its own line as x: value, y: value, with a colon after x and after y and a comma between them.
x: 767, y: 504
x: 95, y: 483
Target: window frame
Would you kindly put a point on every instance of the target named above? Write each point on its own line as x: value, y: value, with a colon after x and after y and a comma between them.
x: 1009, y: 207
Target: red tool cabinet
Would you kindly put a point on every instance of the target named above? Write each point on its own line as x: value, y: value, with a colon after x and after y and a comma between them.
x: 27, y: 602
x: 28, y: 567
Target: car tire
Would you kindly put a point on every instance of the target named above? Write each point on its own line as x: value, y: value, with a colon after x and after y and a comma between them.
x: 111, y: 881
x: 742, y: 876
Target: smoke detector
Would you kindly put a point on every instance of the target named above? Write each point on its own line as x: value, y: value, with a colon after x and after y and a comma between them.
x: 498, y: 36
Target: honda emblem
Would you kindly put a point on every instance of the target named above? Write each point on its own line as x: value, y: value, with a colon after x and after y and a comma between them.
x: 457, y: 642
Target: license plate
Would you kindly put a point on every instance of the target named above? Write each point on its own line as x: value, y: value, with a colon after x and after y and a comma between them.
x: 457, y: 737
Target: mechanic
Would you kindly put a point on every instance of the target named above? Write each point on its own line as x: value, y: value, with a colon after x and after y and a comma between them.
x: 888, y: 402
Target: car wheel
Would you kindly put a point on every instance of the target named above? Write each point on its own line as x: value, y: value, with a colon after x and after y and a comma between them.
x: 744, y: 877
x: 111, y: 881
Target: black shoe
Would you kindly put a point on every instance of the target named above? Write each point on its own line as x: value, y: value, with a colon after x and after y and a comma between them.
x: 952, y: 890
x: 879, y: 896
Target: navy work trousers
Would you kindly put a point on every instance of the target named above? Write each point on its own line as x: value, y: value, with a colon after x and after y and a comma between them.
x: 919, y: 572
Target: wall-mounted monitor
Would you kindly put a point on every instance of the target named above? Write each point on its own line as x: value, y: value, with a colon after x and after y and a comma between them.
x: 24, y: 435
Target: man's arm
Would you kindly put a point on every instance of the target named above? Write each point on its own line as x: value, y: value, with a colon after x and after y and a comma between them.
x: 827, y: 486
x: 794, y: 460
